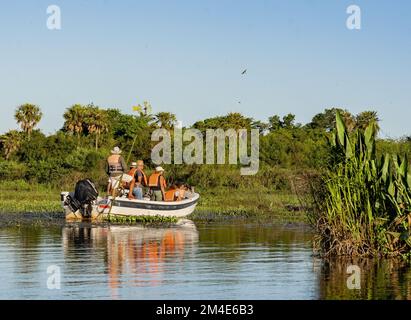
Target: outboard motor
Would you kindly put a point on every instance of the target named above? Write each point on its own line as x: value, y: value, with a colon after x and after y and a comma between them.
x: 83, y: 198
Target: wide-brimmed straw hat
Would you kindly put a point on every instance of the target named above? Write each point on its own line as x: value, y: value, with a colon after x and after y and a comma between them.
x: 160, y: 169
x: 116, y: 150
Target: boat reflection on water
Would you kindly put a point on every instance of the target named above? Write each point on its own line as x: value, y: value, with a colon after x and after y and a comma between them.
x: 134, y: 255
x: 145, y: 252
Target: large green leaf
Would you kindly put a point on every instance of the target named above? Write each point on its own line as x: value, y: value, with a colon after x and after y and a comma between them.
x: 408, y: 179
x: 391, y: 189
x: 348, y: 148
x: 403, y: 169
x: 341, y: 130
x: 332, y: 139
x: 385, y: 167
x: 370, y: 139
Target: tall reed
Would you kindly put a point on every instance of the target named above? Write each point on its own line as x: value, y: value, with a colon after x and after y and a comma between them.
x: 362, y: 201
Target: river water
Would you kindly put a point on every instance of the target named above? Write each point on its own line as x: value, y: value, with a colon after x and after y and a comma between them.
x: 219, y: 260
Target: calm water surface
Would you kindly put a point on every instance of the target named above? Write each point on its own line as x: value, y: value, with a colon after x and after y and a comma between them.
x: 230, y: 260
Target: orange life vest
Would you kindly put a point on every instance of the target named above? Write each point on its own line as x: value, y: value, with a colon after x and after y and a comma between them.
x: 133, y: 172
x: 157, y: 181
x: 170, y: 195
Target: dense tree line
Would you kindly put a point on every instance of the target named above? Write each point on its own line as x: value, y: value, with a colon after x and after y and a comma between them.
x: 80, y: 147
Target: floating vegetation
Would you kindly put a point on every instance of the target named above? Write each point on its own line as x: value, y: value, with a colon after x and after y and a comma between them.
x: 117, y: 219
x: 22, y: 197
x: 362, y: 202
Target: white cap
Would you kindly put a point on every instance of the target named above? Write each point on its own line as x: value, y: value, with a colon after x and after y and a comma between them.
x: 116, y: 150
x: 160, y: 169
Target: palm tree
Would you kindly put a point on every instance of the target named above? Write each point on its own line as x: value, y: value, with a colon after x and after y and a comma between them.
x: 75, y: 117
x: 97, y: 122
x: 28, y: 116
x: 11, y: 142
x: 166, y: 120
x: 364, y: 118
x: 349, y: 120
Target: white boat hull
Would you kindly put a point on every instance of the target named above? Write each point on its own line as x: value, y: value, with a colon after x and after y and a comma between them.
x: 126, y: 207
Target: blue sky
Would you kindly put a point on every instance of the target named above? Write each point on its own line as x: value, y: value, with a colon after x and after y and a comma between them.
x: 187, y: 57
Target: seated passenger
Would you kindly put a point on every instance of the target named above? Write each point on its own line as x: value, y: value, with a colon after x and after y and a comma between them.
x: 183, y: 192
x: 139, y: 180
x: 188, y: 192
x: 172, y: 194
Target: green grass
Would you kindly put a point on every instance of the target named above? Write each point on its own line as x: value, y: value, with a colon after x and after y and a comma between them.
x: 22, y: 197
x: 248, y: 203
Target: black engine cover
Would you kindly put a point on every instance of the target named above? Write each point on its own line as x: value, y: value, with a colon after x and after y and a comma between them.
x: 85, y: 192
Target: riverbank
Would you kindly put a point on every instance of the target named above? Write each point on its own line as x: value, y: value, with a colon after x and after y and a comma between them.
x: 19, y: 197
x: 249, y: 203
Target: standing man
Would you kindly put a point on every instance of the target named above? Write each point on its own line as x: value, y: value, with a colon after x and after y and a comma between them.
x: 158, y: 184
x: 139, y: 181
x: 115, y: 168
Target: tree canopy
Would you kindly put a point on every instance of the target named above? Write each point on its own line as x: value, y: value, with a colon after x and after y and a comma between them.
x: 89, y: 132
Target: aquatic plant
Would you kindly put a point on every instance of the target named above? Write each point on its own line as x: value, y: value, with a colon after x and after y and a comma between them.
x: 362, y: 202
x: 118, y: 219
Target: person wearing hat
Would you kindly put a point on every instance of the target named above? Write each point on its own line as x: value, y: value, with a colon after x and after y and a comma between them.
x: 158, y: 184
x: 115, y: 168
x: 139, y: 180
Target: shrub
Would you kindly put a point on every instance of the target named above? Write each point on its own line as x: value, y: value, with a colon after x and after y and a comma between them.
x: 10, y: 170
